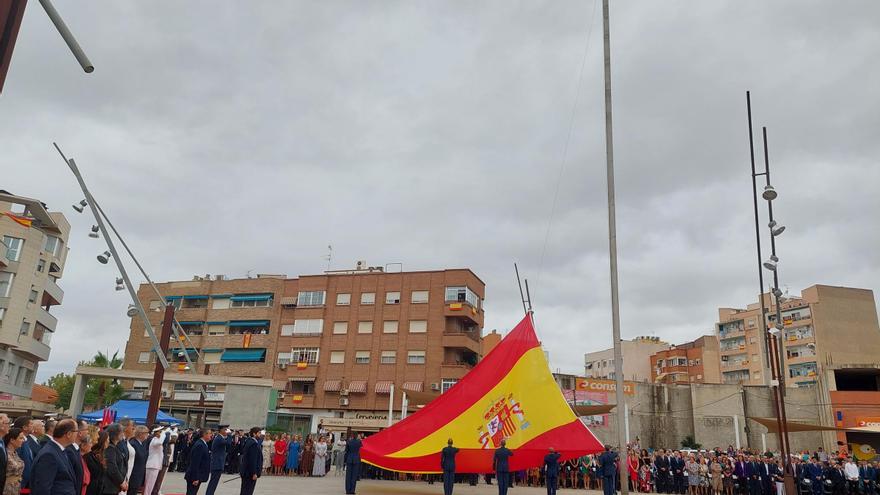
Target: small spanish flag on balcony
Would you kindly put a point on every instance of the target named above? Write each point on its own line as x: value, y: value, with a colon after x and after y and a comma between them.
x: 455, y: 306
x: 302, y: 365
x: 25, y: 221
x: 181, y: 366
x: 297, y: 399
x: 247, y: 341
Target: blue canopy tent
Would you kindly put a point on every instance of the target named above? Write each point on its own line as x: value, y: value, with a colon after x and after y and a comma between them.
x: 132, y: 409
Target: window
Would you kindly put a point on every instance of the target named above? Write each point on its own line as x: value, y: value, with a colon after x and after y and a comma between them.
x: 368, y: 298
x: 301, y: 388
x: 419, y: 297
x: 155, y: 304
x: 140, y: 385
x: 415, y: 357
x: 388, y: 357
x: 287, y: 330
x: 446, y: 384
x: 6, y: 279
x: 25, y: 327
x: 462, y: 294
x: 343, y: 299
x: 362, y: 357
x: 41, y: 265
x: 340, y: 327
x: 365, y: 327
x: 2, y: 313
x: 310, y: 298
x: 753, y: 340
x: 19, y: 376
x: 53, y: 245
x: 32, y: 298
x: 252, y: 327
x: 389, y: 326
x: 212, y: 357
x: 392, y: 298
x: 284, y: 358
x: 175, y: 302
x: 10, y: 371
x: 193, y: 303
x: 337, y: 357
x: 252, y: 301
x: 13, y: 247
x: 304, y: 355
x: 308, y: 327
x: 216, y: 329
x: 144, y: 357
x: 752, y: 322
x: 220, y: 303
x: 418, y: 326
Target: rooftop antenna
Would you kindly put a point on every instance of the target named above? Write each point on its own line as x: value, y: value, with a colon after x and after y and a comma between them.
x: 528, y: 296
x: 522, y: 297
x: 329, y: 256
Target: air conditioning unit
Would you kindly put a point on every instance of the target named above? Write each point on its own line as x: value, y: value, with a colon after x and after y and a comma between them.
x: 166, y: 394
x: 435, y: 386
x: 724, y: 358
x: 282, y: 366
x: 361, y: 265
x: 343, y: 392
x: 343, y: 401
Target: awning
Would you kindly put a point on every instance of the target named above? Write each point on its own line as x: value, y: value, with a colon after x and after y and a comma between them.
x: 243, y: 355
x: 195, y: 297
x: 384, y: 387
x: 217, y: 322
x: 593, y: 410
x: 794, y: 426
x: 190, y: 323
x: 416, y: 399
x: 413, y: 386
x: 332, y: 385
x: 221, y: 296
x: 252, y: 297
x: 301, y: 379
x: 357, y: 387
x: 173, y: 298
x: 212, y: 349
x: 249, y: 323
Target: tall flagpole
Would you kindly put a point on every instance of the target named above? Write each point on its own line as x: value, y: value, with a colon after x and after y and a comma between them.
x: 612, y: 250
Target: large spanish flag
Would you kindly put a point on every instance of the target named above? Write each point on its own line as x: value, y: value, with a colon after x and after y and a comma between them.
x: 511, y: 395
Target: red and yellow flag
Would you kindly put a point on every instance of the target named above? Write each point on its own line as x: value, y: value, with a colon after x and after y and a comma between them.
x: 24, y: 221
x: 511, y: 395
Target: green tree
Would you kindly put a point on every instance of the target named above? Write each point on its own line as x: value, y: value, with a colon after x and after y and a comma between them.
x: 63, y: 384
x: 101, y: 392
x: 690, y: 443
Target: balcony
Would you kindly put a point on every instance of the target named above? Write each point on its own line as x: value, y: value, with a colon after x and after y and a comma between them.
x: 292, y: 400
x: 32, y: 347
x: 454, y: 370
x: 461, y: 340
x: 48, y: 321
x: 463, y: 309
x: 52, y: 294
x: 194, y: 396
x: 3, y: 261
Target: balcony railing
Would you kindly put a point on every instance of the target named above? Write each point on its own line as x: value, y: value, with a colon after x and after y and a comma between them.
x: 195, y: 396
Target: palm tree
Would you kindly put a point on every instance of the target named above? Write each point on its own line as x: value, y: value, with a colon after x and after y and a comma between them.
x: 102, y: 360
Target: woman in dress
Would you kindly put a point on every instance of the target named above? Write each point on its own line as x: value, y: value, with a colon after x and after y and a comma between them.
x: 715, y: 476
x: 307, y: 461
x: 584, y: 466
x: 14, y: 465
x: 268, y: 450
x: 339, y: 455
x: 704, y: 475
x: 727, y: 480
x: 293, y: 451
x: 280, y: 457
x: 693, y: 473
x: 95, y: 464
x: 320, y: 468
x: 632, y: 465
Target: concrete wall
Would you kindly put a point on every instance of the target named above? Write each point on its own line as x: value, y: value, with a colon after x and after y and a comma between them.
x: 661, y: 416
x: 244, y: 406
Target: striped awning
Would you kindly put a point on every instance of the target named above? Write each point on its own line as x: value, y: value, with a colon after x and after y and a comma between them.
x: 384, y: 387
x: 332, y: 385
x: 304, y: 379
x: 357, y: 387
x: 413, y: 386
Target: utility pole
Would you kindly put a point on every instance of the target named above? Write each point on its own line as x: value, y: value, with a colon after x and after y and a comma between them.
x: 612, y: 251
x: 159, y: 370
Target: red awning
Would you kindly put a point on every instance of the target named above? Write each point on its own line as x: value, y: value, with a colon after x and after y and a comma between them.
x: 413, y: 386
x: 332, y: 385
x: 357, y: 387
x: 384, y: 387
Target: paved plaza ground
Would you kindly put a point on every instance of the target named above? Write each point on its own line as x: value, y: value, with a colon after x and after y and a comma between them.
x: 333, y: 485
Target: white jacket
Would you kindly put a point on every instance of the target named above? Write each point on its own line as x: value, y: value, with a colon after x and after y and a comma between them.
x: 155, y: 454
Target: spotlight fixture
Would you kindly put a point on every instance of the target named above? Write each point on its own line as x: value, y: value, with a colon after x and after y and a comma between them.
x: 769, y: 193
x: 775, y: 228
x: 132, y: 311
x: 104, y: 257
x: 80, y: 207
x: 120, y: 285
x: 771, y: 263
x: 94, y: 233
x: 777, y: 292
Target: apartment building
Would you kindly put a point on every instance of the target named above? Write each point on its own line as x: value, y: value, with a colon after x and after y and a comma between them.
x: 32, y: 255
x: 825, y: 325
x: 636, y: 360
x: 698, y: 361
x: 334, y: 343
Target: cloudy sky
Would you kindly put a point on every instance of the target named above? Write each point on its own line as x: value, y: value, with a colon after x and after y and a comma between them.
x: 227, y: 137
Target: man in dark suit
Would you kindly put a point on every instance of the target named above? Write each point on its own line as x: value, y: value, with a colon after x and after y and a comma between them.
x: 72, y: 451
x: 47, y: 434
x: 608, y: 470
x: 813, y: 472
x: 551, y: 470
x: 447, y: 464
x: 199, y: 469
x: 352, y: 463
x: 4, y: 456
x: 38, y: 430
x: 677, y: 469
x: 139, y: 470
x: 251, y: 461
x: 219, y: 445
x: 25, y: 452
x: 661, y: 465
x: 753, y: 474
x: 501, y: 466
x: 769, y: 470
x: 52, y: 472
